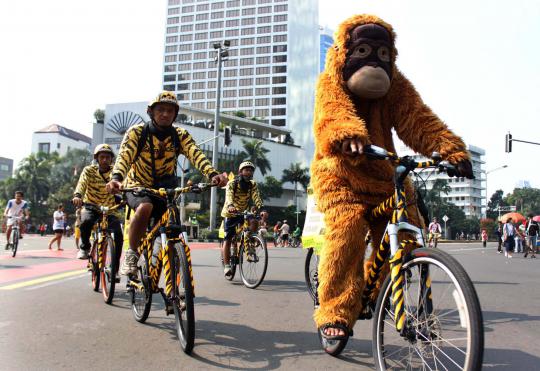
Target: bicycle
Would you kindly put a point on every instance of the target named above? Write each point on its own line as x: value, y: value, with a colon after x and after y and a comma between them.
x: 102, y: 260
x: 164, y: 248
x: 295, y: 242
x: 413, y: 325
x: 15, y: 235
x: 433, y: 239
x: 248, y: 255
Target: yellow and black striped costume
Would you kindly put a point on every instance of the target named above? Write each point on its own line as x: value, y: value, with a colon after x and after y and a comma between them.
x: 139, y: 173
x: 91, y: 187
x: 237, y: 197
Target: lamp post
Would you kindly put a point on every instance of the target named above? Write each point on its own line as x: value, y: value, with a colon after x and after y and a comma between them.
x: 486, y: 174
x: 222, y: 52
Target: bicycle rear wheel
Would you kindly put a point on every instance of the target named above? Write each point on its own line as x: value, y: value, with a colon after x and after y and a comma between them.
x: 108, y: 271
x: 183, y: 306
x: 253, y: 262
x: 443, y: 319
x: 15, y: 243
x: 310, y: 273
x: 94, y: 266
x: 141, y: 291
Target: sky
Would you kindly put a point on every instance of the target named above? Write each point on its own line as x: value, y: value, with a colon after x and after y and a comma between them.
x: 475, y: 63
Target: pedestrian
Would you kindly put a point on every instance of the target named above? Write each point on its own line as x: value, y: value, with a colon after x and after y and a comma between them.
x: 509, y: 232
x: 531, y: 232
x: 484, y: 237
x: 42, y: 229
x: 499, y: 234
x: 284, y: 234
x: 519, y: 236
x: 58, y: 227
x: 276, y: 233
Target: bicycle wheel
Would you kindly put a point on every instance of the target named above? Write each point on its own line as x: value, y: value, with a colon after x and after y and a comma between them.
x: 443, y: 323
x: 108, y: 272
x: 332, y: 347
x: 15, y: 243
x: 183, y: 306
x: 141, y: 291
x: 94, y: 266
x: 253, y: 262
x: 310, y: 273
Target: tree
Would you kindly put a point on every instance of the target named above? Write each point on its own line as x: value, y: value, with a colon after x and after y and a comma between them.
x: 256, y: 153
x: 99, y: 115
x: 494, y: 202
x: 526, y: 200
x: 270, y: 188
x: 296, y: 174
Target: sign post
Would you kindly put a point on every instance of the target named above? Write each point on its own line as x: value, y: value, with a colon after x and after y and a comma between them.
x: 445, y: 219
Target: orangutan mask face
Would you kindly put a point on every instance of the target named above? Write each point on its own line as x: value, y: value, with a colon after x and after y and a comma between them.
x: 368, y: 67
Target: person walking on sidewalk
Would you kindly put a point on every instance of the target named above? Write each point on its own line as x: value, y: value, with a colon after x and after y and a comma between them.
x: 509, y: 232
x: 58, y: 227
x: 531, y: 232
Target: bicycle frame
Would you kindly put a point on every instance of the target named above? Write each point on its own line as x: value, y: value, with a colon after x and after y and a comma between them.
x: 103, y: 229
x: 242, y: 232
x: 391, y: 248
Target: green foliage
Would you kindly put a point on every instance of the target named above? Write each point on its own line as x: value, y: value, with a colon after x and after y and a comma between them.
x: 494, y: 202
x: 99, y: 115
x: 527, y: 200
x: 489, y: 225
x: 270, y: 188
x: 296, y: 174
x: 255, y: 152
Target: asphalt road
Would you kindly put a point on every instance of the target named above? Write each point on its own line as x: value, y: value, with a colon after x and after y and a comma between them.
x: 50, y: 319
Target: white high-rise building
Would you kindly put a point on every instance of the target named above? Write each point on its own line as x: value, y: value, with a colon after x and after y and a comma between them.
x: 273, y: 59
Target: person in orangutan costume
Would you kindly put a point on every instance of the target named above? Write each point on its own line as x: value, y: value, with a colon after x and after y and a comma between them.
x: 361, y: 96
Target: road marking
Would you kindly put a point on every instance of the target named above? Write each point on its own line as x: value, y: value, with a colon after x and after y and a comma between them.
x: 471, y: 249
x: 85, y: 274
x: 43, y: 279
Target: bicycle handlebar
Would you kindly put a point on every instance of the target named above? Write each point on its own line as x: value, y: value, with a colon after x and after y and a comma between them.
x: 163, y: 192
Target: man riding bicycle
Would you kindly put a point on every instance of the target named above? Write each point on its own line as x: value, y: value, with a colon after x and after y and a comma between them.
x: 148, y: 157
x: 239, y: 191
x: 16, y: 207
x: 435, y: 231
x: 90, y: 194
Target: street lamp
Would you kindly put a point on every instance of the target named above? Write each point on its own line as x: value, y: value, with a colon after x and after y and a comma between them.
x: 222, y: 52
x: 486, y: 174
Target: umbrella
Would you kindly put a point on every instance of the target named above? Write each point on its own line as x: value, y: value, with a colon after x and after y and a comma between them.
x: 516, y: 217
x: 536, y: 218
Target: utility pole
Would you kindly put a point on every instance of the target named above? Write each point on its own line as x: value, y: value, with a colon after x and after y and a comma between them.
x: 222, y: 52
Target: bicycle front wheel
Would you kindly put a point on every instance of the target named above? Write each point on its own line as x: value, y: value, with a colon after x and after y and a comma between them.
x: 183, y: 306
x: 443, y: 319
x: 253, y: 262
x: 310, y: 273
x: 141, y: 291
x: 108, y: 271
x: 15, y: 243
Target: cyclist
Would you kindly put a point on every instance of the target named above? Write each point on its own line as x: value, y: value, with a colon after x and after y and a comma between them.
x: 91, y: 193
x: 434, y: 232
x: 296, y: 236
x: 147, y: 158
x: 15, y: 207
x: 239, y: 191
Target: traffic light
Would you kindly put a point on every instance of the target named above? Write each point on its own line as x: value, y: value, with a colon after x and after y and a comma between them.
x: 227, y: 136
x: 508, y: 143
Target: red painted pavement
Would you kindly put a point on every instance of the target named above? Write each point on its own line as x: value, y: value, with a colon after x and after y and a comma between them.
x: 37, y: 270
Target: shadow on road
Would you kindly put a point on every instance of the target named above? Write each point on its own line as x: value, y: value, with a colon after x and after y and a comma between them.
x: 492, y: 319
x: 501, y: 359
x: 283, y: 286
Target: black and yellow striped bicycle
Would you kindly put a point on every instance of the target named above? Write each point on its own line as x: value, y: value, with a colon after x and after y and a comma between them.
x: 164, y: 248
x: 427, y: 314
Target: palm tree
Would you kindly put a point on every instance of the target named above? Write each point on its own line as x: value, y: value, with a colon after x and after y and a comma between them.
x: 256, y: 153
x: 296, y: 174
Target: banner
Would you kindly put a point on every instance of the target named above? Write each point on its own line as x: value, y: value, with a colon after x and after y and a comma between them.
x: 313, y: 233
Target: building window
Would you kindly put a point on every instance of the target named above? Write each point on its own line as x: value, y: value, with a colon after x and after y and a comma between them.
x: 233, y: 13
x: 248, y: 2
x: 229, y: 93
x: 200, y: 36
x: 170, y: 58
x: 216, y: 24
x: 210, y: 105
x: 230, y: 33
x: 248, y: 21
x: 246, y: 71
x: 188, y: 9
x: 219, y: 5
x: 246, y: 61
x: 212, y: 84
x: 210, y: 95
x: 279, y: 69
x: 263, y: 39
x: 262, y: 102
x: 199, y: 105
x: 246, y: 51
x: 199, y: 46
x: 265, y: 9
x: 280, y: 38
x: 264, y: 29
x: 216, y: 34
x: 234, y: 42
x: 173, y: 20
x: 168, y: 87
x: 247, y: 31
x: 280, y: 8
x: 279, y: 90
x: 188, y: 37
x: 245, y: 92
x: 233, y: 3
x: 170, y: 68
x: 278, y: 122
x: 231, y: 63
x: 202, y: 7
x: 183, y: 86
x: 173, y: 11
x: 201, y: 17
x: 279, y: 79
x: 245, y: 82
x: 247, y: 41
x: 184, y: 76
x: 229, y: 104
x: 186, y: 28
x: 262, y: 81
x: 184, y: 67
x: 212, y: 74
x: 201, y: 26
x: 262, y: 70
x: 280, y: 18
x: 232, y: 23
x: 199, y: 75
x: 248, y: 11
x: 171, y: 39
x: 244, y: 103
x: 187, y: 19
x: 44, y: 147
x: 280, y: 58
x: 168, y: 78
x: 263, y: 50
x: 174, y: 2
x: 184, y: 47
x: 279, y: 101
x: 262, y: 91
x: 217, y: 15
x: 199, y: 66
x: 184, y: 57
x: 229, y: 73
x: 229, y: 83
x: 198, y: 95
x: 199, y: 55
x: 261, y: 112
x: 198, y: 85
x: 172, y: 29
x: 280, y: 48
x: 265, y: 19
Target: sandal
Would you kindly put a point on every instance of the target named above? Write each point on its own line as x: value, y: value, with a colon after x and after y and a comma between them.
x: 339, y: 326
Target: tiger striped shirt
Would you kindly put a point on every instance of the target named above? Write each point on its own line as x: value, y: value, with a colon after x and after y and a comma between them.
x: 91, y: 187
x: 138, y: 173
x: 237, y: 197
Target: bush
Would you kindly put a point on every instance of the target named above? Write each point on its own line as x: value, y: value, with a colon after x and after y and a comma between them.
x: 207, y: 234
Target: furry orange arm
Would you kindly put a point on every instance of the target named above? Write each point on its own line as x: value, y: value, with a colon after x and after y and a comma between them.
x: 418, y: 126
x: 335, y: 118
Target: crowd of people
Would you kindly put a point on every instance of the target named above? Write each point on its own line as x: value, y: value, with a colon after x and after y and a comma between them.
x: 518, y: 238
